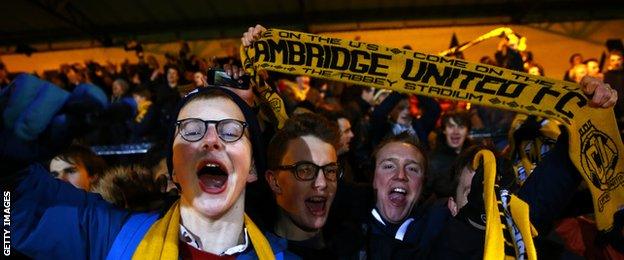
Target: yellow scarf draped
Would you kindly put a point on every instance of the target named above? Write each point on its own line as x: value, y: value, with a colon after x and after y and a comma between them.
x: 142, y: 108
x: 162, y: 239
x: 595, y: 143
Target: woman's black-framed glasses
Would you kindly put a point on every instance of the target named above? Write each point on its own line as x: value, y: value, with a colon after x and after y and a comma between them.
x: 194, y: 129
x: 307, y: 171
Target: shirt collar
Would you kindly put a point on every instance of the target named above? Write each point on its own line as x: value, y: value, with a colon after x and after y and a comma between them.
x: 194, y: 241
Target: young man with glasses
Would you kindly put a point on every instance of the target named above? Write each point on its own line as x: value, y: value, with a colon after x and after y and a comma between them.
x: 303, y: 175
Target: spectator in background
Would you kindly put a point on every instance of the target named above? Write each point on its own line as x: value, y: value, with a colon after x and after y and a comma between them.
x: 575, y: 59
x: 303, y: 175
x: 4, y: 76
x: 578, y: 72
x: 346, y: 135
x: 79, y: 166
x: 453, y: 140
x: 593, y: 68
x: 121, y: 93
x: 199, y: 79
x: 166, y: 97
x: 535, y: 69
x: 615, y: 77
x: 142, y: 126
x: 393, y: 117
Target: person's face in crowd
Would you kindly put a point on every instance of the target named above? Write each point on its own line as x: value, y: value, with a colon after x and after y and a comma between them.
x: 368, y: 95
x: 160, y: 172
x: 400, y: 114
x: 3, y: 74
x: 73, y: 76
x: 577, y: 59
x: 399, y: 175
x: 615, y: 61
x: 72, y: 172
x: 138, y: 98
x: 117, y: 89
x: 307, y: 203
x: 172, y: 76
x: 212, y: 173
x: 580, y: 71
x: 152, y: 62
x: 345, y: 135
x: 461, y: 192
x: 199, y: 79
x: 303, y: 83
x: 534, y: 71
x: 593, y: 69
x: 455, y: 134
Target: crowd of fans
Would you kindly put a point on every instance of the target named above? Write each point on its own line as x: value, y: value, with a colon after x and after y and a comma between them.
x: 357, y: 132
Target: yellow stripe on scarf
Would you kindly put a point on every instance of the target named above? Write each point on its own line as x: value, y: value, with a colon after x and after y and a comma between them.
x: 260, y: 243
x: 162, y: 239
x: 494, y: 229
x: 595, y: 144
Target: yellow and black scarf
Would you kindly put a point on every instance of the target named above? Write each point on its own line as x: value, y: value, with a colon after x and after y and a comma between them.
x: 162, y: 239
x: 594, y: 142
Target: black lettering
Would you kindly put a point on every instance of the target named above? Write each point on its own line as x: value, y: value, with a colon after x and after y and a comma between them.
x: 314, y: 50
x: 262, y: 50
x: 372, y: 47
x: 567, y: 98
x: 354, y: 65
x: 469, y: 77
x: 542, y: 92
x: 460, y: 63
x: 355, y: 44
x: 409, y: 64
x: 375, y: 65
x: 432, y: 70
x: 296, y: 55
x: 502, y: 91
x: 480, y: 87
x: 278, y: 47
x: 420, y: 56
x: 454, y: 75
x: 335, y: 58
x: 328, y: 56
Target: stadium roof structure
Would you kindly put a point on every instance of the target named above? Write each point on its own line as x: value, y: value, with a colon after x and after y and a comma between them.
x: 115, y: 22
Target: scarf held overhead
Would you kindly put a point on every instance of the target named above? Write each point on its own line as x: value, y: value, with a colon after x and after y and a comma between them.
x: 595, y: 144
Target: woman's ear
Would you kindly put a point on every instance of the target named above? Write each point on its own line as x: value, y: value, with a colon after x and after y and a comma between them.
x: 272, y: 181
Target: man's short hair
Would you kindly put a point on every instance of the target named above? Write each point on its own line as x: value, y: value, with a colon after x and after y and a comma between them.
x: 405, y: 138
x: 462, y: 118
x: 334, y: 115
x: 78, y: 154
x: 298, y: 126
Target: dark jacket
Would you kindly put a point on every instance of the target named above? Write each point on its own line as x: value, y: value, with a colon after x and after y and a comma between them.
x: 410, y: 238
x: 546, y: 191
x: 439, y: 176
